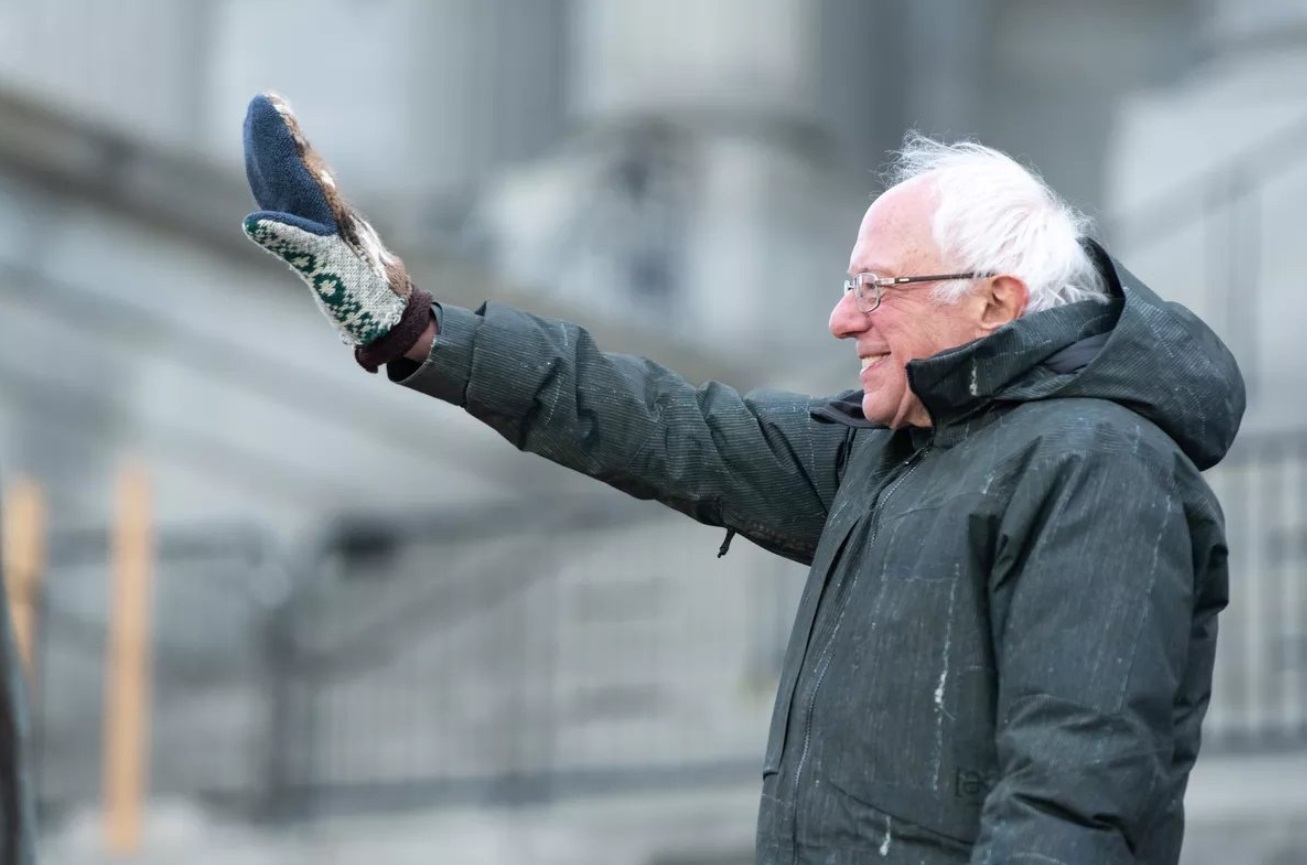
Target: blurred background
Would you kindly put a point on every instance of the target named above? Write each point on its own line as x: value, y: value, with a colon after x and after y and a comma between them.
x: 361, y: 625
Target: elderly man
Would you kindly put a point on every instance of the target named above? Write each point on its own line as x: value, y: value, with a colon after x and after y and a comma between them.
x: 1004, y: 650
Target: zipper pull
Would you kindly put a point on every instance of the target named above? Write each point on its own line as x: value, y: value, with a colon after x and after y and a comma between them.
x: 919, y: 453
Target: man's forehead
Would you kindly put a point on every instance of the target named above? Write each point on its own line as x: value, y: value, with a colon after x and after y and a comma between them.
x: 911, y: 202
x: 896, y: 228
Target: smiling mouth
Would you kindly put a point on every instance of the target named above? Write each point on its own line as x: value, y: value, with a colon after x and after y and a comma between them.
x: 873, y: 359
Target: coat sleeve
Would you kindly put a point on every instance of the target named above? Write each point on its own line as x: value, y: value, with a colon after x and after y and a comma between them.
x: 757, y: 463
x: 1092, y: 604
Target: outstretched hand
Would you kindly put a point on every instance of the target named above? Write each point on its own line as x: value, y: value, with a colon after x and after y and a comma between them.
x: 361, y: 287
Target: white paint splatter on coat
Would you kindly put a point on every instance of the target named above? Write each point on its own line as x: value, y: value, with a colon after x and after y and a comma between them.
x: 940, y: 712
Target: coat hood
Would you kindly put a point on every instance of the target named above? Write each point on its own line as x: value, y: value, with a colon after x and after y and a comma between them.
x: 1152, y: 356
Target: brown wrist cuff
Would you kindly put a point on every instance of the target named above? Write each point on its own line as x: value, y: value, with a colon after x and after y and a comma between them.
x: 417, y: 314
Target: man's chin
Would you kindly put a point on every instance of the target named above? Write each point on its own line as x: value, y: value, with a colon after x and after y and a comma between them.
x: 895, y: 417
x: 874, y: 412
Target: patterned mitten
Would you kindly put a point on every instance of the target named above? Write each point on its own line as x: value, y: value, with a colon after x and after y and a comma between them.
x: 360, y: 286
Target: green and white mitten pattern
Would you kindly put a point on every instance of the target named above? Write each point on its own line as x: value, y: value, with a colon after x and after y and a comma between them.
x: 361, y: 287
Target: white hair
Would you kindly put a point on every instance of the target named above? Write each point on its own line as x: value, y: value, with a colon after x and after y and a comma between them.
x: 994, y: 215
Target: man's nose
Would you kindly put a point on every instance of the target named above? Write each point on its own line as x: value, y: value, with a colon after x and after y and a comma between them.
x: 846, y: 320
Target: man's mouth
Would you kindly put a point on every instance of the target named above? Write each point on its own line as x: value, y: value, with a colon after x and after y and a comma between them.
x: 873, y: 359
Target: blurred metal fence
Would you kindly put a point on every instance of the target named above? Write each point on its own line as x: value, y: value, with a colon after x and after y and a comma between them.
x: 1259, y: 697
x: 519, y: 653
x: 208, y: 727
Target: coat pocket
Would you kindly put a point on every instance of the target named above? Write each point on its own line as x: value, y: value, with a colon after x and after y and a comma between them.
x: 870, y: 810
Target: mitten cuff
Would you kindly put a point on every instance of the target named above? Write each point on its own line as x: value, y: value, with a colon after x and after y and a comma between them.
x: 401, y: 337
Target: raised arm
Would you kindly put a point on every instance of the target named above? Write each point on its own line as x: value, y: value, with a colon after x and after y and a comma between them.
x: 758, y: 464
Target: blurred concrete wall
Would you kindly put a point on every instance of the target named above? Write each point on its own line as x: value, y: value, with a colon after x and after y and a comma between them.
x: 1208, y: 175
x: 143, y: 66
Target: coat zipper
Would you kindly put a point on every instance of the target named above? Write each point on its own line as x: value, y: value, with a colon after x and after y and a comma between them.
x: 823, y: 662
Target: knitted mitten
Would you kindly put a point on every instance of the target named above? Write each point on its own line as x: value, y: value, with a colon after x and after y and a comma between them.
x: 360, y: 286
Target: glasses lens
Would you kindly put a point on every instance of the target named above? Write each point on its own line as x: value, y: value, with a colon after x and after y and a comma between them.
x: 867, y: 288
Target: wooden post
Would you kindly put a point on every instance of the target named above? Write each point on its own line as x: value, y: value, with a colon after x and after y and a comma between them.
x: 24, y: 562
x: 127, y: 674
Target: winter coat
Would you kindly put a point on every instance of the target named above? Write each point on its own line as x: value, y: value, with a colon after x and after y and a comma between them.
x: 1004, y: 649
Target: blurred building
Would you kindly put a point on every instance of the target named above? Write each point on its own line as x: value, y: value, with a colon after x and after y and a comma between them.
x: 382, y: 626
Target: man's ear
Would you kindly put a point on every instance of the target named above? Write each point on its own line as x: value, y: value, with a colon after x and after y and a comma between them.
x: 1005, y: 300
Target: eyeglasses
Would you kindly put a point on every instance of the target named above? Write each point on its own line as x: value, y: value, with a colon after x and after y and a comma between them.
x: 868, y: 287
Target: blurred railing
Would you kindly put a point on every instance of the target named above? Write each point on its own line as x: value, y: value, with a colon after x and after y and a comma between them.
x: 1260, y: 693
x: 208, y: 729
x: 521, y: 654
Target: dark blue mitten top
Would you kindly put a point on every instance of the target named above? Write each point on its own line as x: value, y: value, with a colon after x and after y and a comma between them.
x: 282, y: 184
